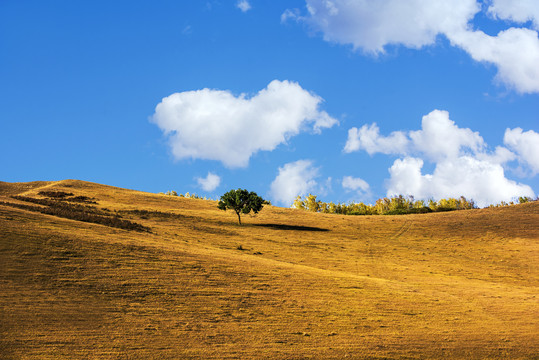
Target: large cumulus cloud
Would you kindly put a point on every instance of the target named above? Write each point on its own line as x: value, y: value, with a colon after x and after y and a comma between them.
x: 372, y: 25
x: 217, y: 125
x: 463, y: 165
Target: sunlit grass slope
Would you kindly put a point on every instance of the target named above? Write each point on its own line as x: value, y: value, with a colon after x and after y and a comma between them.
x: 287, y: 284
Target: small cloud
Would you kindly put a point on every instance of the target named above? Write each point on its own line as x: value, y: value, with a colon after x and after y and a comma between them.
x: 187, y: 30
x: 290, y: 14
x: 350, y: 183
x: 243, y: 5
x: 210, y: 182
x: 368, y: 138
x: 295, y: 178
x: 326, y: 187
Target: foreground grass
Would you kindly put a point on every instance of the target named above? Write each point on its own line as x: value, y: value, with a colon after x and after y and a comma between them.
x: 449, y: 285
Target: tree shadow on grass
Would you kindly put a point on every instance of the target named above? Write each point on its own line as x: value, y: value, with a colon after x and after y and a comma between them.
x: 291, y: 227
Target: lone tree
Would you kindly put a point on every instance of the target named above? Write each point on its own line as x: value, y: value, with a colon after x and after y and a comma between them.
x: 241, y: 201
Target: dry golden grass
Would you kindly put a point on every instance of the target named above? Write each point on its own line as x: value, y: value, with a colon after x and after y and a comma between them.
x: 460, y: 285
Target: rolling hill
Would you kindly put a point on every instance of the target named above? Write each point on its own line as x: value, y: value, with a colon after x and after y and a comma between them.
x: 99, y: 272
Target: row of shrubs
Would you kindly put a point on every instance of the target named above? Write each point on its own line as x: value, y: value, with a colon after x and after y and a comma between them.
x: 521, y: 200
x: 186, y: 195
x: 397, y: 205
x: 62, y: 195
x: 55, y: 194
x: 60, y: 204
x: 76, y: 212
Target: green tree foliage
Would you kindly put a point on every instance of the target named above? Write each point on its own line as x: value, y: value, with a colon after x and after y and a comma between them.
x: 524, y: 199
x: 311, y: 203
x: 521, y: 200
x: 298, y: 203
x: 241, y: 201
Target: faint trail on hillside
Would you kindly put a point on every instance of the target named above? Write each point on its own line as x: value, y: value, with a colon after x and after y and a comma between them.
x: 47, y: 185
x: 404, y: 228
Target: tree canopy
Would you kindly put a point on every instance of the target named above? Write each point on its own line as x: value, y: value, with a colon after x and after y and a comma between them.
x: 241, y: 201
x: 395, y: 205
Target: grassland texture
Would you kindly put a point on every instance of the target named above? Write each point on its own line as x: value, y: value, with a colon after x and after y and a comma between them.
x: 288, y: 284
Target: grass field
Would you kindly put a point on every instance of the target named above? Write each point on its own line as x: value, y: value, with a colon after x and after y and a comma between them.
x: 288, y: 284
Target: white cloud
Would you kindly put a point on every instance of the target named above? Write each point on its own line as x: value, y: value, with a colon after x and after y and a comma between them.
x: 210, y: 182
x: 514, y: 51
x: 480, y: 180
x: 519, y: 11
x: 243, y: 5
x: 500, y: 156
x: 290, y: 14
x: 372, y: 25
x: 440, y: 138
x: 526, y: 145
x: 368, y: 138
x: 354, y: 184
x: 463, y: 166
x: 216, y: 125
x: 295, y: 178
x: 187, y: 30
x: 325, y: 187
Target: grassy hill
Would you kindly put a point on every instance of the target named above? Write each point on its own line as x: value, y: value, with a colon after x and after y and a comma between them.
x: 287, y: 284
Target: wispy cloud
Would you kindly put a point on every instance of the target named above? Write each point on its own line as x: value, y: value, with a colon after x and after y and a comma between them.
x: 243, y: 5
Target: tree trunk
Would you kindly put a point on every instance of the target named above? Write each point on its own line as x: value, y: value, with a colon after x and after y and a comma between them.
x: 239, y: 218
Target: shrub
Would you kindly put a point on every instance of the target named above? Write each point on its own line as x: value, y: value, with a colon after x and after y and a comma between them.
x: 76, y: 212
x: 61, y: 195
x: 55, y: 194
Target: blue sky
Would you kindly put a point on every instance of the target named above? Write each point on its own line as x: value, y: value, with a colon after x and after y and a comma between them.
x: 347, y: 100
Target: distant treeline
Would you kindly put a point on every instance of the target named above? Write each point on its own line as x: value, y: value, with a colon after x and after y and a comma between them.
x: 397, y: 205
x: 195, y: 196
x: 186, y: 195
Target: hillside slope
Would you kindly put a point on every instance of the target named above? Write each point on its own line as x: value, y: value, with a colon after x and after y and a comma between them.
x: 287, y: 284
